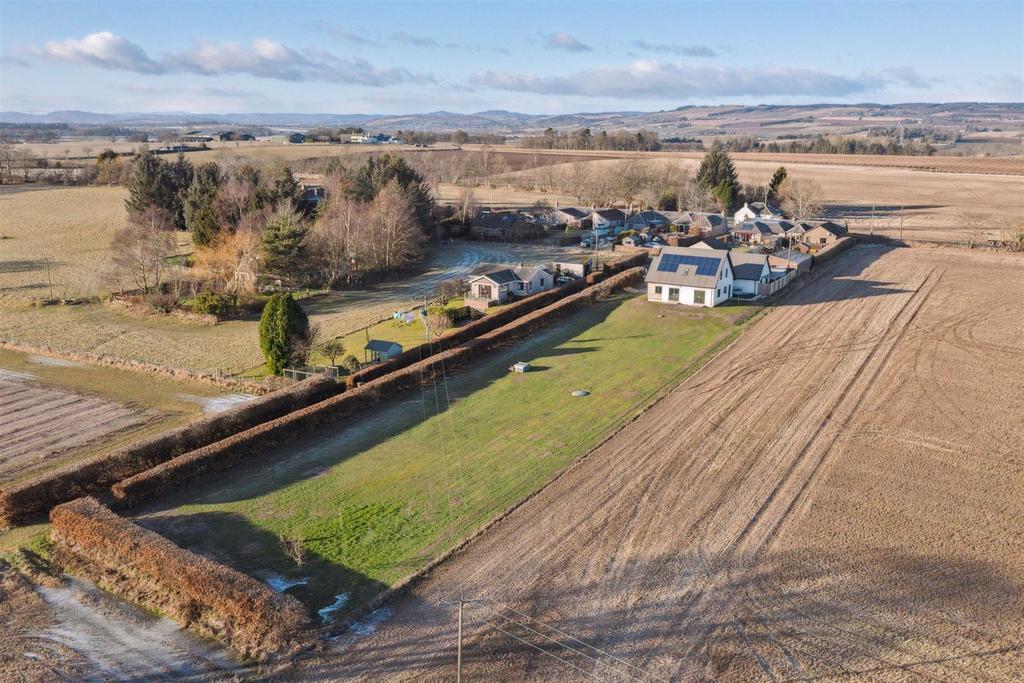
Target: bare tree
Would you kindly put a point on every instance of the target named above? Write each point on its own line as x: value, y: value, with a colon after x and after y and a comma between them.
x: 139, y: 249
x: 801, y: 198
x: 294, y: 548
x: 333, y: 348
x: 465, y: 206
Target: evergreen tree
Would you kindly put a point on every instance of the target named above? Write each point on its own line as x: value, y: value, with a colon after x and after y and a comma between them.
x: 284, y: 240
x: 285, y: 190
x: 282, y: 325
x: 200, y: 204
x: 725, y: 194
x: 146, y: 184
x: 368, y: 180
x: 715, y: 168
x: 178, y: 178
x: 775, y: 183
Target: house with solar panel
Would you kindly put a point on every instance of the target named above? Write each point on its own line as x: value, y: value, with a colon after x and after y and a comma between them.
x: 691, y: 277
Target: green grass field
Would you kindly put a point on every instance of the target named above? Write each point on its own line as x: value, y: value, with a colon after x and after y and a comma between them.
x: 377, y: 499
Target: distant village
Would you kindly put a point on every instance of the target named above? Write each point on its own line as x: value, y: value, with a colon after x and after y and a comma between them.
x: 698, y: 259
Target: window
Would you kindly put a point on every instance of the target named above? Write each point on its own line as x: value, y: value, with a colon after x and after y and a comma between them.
x: 673, y: 294
x: 657, y: 289
x: 542, y: 282
x: 824, y: 241
x: 484, y: 291
x: 698, y: 296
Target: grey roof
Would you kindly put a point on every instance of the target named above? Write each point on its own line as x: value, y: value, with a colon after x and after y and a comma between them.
x: 647, y: 218
x: 748, y: 266
x: 499, y: 276
x: 578, y: 214
x: 689, y: 267
x: 713, y: 243
x: 766, y: 227
x: 500, y: 219
x: 704, y: 220
x: 381, y: 345
x: 761, y: 207
x: 830, y: 226
x: 610, y: 214
x: 527, y: 272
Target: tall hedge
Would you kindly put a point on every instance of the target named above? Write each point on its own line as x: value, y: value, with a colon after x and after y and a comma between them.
x: 282, y: 324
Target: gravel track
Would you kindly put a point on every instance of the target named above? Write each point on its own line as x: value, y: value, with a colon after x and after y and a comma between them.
x: 838, y: 494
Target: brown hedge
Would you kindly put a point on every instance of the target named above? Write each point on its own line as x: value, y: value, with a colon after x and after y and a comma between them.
x: 493, y: 321
x: 205, y: 596
x: 276, y: 433
x: 35, y: 496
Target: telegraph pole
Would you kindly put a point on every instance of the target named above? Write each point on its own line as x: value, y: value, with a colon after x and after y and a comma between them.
x: 49, y: 282
x: 461, y: 603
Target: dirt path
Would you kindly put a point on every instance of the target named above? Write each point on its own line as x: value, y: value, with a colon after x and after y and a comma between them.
x: 77, y: 632
x: 840, y: 493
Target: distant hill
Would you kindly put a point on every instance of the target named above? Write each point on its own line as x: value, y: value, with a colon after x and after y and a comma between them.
x: 766, y: 121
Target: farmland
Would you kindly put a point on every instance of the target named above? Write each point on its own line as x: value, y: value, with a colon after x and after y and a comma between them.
x: 56, y: 410
x: 377, y: 499
x: 838, y: 494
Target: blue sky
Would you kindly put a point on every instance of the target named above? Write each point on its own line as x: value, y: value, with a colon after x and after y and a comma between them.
x: 389, y: 57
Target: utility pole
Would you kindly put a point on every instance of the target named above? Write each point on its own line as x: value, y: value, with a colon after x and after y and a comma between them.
x: 901, y: 223
x: 49, y: 283
x: 461, y: 603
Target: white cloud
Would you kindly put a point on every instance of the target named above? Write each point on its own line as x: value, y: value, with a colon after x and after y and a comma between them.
x: 262, y: 58
x: 105, y: 50
x: 565, y: 41
x: 651, y: 79
x: 681, y: 50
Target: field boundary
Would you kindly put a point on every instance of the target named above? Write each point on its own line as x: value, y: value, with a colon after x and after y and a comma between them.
x: 119, y: 363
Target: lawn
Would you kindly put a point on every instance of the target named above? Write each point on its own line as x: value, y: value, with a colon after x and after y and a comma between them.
x: 375, y: 500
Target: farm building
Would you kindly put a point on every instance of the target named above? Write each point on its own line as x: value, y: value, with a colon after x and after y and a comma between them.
x: 500, y: 285
x: 752, y: 210
x: 377, y: 350
x: 749, y: 270
x: 692, y: 277
x: 573, y: 266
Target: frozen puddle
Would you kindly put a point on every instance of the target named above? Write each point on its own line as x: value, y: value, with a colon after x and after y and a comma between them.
x: 15, y: 376
x: 281, y: 584
x: 217, y: 404
x: 364, y: 627
x: 122, y: 642
x: 53, y: 362
x: 327, y: 613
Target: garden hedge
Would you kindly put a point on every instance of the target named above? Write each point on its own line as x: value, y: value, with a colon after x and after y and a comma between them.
x: 246, y: 445
x: 205, y: 596
x: 37, y: 495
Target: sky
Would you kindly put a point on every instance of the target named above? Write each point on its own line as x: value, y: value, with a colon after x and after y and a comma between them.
x: 533, y: 57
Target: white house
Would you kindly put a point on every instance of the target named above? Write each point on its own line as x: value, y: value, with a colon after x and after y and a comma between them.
x: 692, y: 277
x: 748, y: 271
x: 499, y: 285
x: 752, y: 210
x: 607, y: 218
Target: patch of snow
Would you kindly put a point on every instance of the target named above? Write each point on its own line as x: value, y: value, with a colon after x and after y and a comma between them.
x: 16, y: 376
x: 217, y: 404
x: 53, y: 362
x: 281, y: 584
x: 364, y: 627
x: 579, y: 393
x: 327, y: 613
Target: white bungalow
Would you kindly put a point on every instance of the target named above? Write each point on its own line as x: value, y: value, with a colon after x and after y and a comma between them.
x: 692, y: 277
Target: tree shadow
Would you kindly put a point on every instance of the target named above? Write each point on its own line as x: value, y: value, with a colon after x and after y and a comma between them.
x: 273, y: 466
x: 233, y: 540
x: 802, y: 613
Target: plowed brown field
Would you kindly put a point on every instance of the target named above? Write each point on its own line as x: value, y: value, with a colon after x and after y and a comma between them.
x: 838, y: 495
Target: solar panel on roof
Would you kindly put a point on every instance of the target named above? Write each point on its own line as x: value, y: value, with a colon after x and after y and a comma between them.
x: 705, y: 266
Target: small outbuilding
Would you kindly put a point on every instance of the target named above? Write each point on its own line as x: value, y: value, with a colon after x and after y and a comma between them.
x: 377, y: 350
x: 573, y: 266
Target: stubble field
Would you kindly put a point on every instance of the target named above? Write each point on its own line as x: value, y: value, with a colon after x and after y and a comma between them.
x: 838, y: 495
